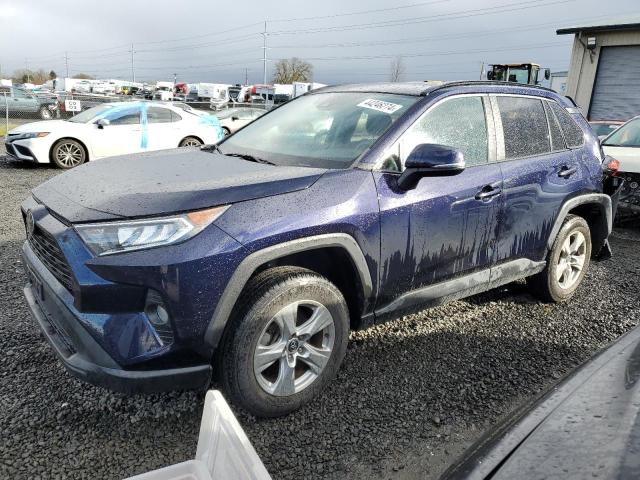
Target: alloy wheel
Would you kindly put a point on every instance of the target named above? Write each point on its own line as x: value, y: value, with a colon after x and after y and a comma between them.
x: 191, y: 143
x: 572, y: 259
x: 294, y: 348
x: 69, y: 155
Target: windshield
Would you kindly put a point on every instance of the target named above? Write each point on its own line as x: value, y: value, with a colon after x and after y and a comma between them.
x: 325, y: 130
x: 511, y: 74
x: 627, y: 135
x: 90, y: 114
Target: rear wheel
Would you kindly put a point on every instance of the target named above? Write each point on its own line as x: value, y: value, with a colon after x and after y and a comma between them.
x: 285, y: 343
x: 567, y: 262
x: 190, y: 142
x: 226, y: 131
x: 68, y: 153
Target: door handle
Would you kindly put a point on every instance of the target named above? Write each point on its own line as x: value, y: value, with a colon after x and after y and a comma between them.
x: 487, y: 192
x: 566, y: 172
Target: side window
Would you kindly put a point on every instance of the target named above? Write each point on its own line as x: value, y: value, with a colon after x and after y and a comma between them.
x: 557, y: 140
x: 573, y: 134
x: 158, y: 115
x: 124, y: 116
x: 525, y: 127
x: 459, y: 122
x: 175, y: 117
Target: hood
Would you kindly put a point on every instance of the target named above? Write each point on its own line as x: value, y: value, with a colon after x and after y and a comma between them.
x: 43, y: 126
x: 590, y: 423
x: 164, y: 182
x: 628, y: 157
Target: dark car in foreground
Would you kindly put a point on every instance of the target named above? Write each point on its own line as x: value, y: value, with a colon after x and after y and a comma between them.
x: 586, y: 427
x: 343, y: 208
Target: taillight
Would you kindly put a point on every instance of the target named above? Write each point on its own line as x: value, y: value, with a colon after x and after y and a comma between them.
x: 611, y: 165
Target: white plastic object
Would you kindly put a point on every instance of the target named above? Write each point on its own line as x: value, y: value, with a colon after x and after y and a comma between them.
x: 224, y: 451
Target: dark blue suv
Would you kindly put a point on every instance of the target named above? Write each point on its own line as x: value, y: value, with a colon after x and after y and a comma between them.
x: 345, y: 207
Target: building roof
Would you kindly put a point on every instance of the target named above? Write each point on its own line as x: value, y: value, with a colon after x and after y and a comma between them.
x: 629, y: 22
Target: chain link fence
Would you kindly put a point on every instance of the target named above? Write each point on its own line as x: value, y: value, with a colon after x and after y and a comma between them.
x: 18, y: 106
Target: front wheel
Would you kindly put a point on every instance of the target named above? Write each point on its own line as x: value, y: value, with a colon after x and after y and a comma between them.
x: 45, y: 113
x: 567, y: 262
x: 68, y: 153
x: 285, y: 342
x: 190, y: 142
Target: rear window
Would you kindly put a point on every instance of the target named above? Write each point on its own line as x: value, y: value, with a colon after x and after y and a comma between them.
x: 573, y: 134
x: 524, y: 123
x: 557, y: 140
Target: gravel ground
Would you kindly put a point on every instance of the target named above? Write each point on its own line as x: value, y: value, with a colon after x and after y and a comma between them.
x: 412, y: 394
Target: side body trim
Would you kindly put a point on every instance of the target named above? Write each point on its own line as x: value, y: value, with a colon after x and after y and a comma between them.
x: 249, y: 265
x: 463, y: 286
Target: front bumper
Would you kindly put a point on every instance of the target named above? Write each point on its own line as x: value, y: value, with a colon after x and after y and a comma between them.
x: 82, y: 356
x: 29, y: 149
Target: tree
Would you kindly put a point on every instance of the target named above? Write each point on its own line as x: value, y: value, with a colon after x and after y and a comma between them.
x: 37, y: 77
x: 292, y: 70
x: 83, y: 76
x: 397, y: 69
x: 52, y: 75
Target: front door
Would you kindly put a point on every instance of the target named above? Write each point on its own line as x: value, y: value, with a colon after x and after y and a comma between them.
x: 122, y: 136
x: 446, y: 226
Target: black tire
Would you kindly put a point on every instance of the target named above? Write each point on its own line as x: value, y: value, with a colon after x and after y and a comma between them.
x: 267, y: 294
x: 77, y: 153
x: 226, y: 131
x: 546, y: 284
x: 190, y: 142
x: 45, y: 113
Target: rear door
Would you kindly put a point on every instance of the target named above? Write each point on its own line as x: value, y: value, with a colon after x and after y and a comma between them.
x: 539, y: 171
x: 162, y: 131
x: 446, y: 226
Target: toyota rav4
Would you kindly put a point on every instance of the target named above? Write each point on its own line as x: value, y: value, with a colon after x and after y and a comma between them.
x: 252, y: 260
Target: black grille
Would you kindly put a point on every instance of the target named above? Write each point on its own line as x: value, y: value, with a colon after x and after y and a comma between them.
x: 49, y: 253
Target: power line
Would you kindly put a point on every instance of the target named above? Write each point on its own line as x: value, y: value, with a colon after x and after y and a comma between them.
x: 431, y: 18
x: 361, y: 12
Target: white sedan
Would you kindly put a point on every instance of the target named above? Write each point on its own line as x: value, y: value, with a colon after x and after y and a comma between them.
x: 234, y: 119
x: 624, y: 146
x: 112, y: 129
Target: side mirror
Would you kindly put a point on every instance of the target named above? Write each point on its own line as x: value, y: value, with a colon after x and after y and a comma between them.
x: 490, y: 75
x: 547, y: 73
x: 103, y: 122
x: 233, y: 119
x: 430, y: 160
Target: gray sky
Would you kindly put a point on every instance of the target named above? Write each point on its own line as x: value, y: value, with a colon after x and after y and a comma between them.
x: 204, y: 40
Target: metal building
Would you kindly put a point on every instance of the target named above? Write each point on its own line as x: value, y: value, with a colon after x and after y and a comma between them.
x: 604, y: 75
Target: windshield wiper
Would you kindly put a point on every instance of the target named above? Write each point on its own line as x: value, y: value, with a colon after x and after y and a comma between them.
x: 250, y: 158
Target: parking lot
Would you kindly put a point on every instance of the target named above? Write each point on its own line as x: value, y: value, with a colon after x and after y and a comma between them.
x: 412, y: 394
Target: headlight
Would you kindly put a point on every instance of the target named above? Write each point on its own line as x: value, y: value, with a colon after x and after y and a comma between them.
x: 114, y: 237
x: 25, y: 136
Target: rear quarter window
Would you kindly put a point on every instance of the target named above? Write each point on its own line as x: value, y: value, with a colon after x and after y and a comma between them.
x: 573, y: 134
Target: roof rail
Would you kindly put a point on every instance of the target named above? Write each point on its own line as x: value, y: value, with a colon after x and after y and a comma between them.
x: 485, y: 82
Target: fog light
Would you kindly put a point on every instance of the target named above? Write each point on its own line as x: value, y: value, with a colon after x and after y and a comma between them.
x: 162, y: 316
x: 159, y: 317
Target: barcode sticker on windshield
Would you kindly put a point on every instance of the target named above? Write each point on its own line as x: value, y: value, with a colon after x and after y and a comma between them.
x: 380, y: 106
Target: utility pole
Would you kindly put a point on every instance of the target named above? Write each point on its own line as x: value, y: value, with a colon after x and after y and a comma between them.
x: 482, y: 70
x: 246, y: 76
x: 66, y: 63
x: 264, y: 54
x: 133, y: 68
x: 26, y: 67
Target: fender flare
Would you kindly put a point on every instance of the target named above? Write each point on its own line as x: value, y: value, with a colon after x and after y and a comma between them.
x: 600, y: 199
x: 248, y: 266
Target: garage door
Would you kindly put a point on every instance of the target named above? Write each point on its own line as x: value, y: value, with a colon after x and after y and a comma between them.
x: 616, y: 93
